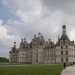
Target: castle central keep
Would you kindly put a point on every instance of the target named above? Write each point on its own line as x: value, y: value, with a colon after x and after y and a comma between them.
x: 40, y: 51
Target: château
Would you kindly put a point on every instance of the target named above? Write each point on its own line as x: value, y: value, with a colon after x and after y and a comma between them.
x: 40, y: 51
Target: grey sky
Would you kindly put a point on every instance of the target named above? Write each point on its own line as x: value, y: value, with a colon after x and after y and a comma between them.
x: 33, y: 16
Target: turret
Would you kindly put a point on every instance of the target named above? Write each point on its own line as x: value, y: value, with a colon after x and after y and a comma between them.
x: 64, y: 34
x: 64, y: 39
x: 21, y: 44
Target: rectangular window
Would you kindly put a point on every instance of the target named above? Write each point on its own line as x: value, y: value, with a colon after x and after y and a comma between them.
x: 66, y: 52
x: 62, y: 60
x: 66, y: 59
x: 61, y: 52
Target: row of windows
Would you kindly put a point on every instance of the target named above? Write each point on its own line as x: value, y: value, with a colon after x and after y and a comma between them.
x: 65, y: 47
x: 62, y: 60
x: 63, y: 52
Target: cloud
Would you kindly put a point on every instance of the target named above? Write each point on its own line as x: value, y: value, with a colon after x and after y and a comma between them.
x: 67, y: 6
x: 6, y: 39
x: 3, y: 31
x: 33, y: 16
x: 42, y: 15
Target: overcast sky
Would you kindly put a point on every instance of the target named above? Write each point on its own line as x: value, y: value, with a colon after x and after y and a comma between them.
x: 24, y: 18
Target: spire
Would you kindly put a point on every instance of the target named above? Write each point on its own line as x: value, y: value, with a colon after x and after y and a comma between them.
x: 14, y: 44
x: 64, y: 29
x: 64, y: 35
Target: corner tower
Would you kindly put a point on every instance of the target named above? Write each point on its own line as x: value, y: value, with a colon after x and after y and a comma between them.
x: 64, y: 34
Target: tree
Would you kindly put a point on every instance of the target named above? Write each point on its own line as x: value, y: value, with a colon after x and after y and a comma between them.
x: 4, y: 60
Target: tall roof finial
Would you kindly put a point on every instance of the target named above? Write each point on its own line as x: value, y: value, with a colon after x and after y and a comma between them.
x: 64, y: 29
x: 14, y: 44
x: 39, y: 34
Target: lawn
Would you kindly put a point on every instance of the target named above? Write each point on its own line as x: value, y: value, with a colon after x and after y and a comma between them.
x: 30, y: 69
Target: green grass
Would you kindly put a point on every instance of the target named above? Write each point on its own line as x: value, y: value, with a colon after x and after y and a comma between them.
x: 30, y: 69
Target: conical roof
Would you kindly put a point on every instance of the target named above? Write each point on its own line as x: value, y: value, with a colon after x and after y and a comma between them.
x: 63, y: 36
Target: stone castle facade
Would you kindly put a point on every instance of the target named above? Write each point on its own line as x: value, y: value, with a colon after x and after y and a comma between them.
x: 40, y: 51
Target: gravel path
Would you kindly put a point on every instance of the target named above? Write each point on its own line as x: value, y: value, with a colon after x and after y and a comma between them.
x: 69, y: 70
